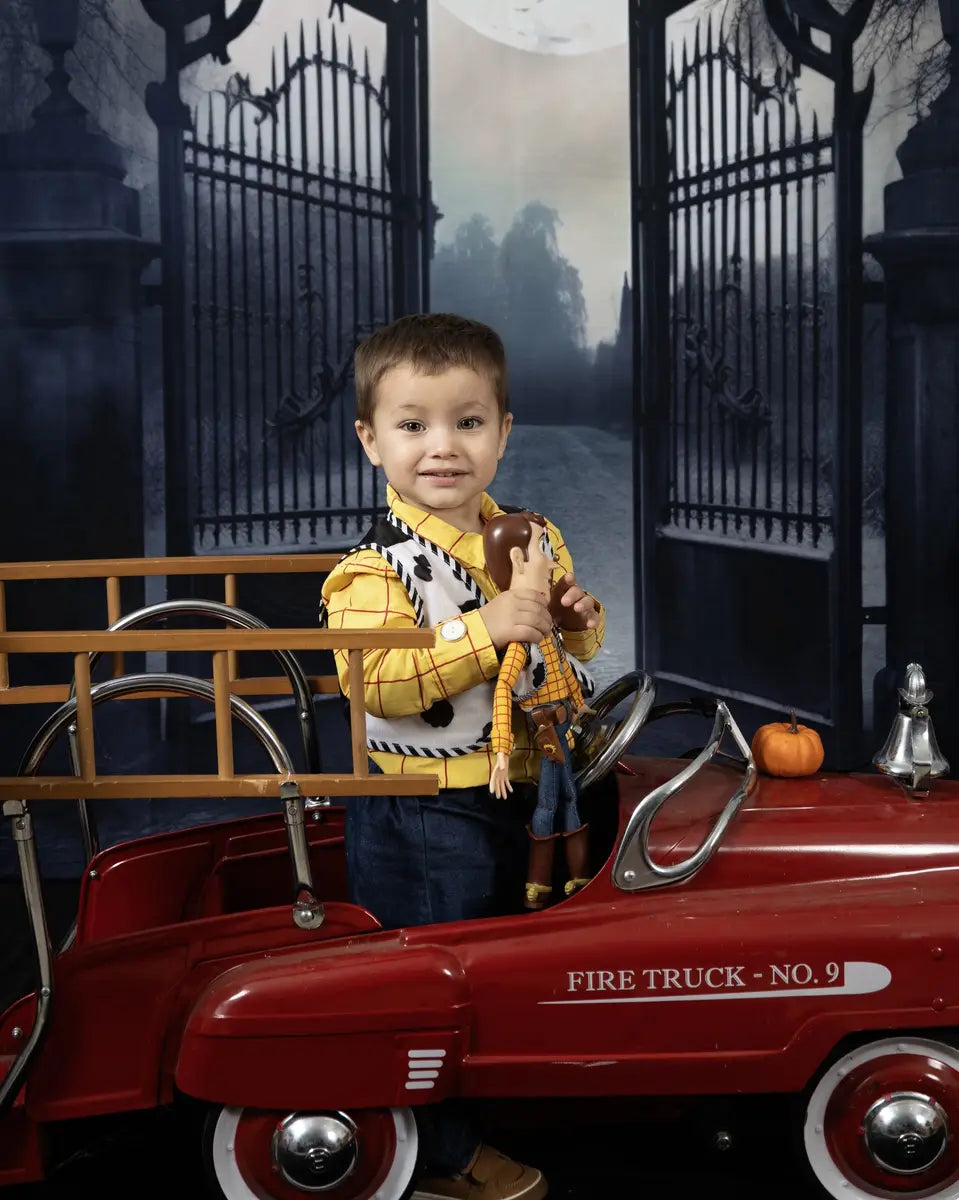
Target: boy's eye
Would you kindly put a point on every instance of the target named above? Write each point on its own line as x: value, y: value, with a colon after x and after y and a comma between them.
x: 412, y: 426
x: 470, y: 423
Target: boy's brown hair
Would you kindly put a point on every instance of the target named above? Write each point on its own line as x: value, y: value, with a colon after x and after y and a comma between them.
x: 430, y: 343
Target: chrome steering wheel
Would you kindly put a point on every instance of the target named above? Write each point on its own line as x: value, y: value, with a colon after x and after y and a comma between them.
x: 600, y: 743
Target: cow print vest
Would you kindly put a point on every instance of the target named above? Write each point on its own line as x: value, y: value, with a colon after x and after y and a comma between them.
x: 439, y: 589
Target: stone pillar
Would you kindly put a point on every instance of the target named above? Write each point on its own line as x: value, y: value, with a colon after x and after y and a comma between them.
x: 919, y: 253
x: 71, y: 256
x: 71, y: 476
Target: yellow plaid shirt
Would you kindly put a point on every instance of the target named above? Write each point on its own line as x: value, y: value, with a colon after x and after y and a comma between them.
x: 560, y: 684
x: 365, y: 593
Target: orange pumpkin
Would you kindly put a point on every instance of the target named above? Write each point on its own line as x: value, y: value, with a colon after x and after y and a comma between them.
x: 787, y: 749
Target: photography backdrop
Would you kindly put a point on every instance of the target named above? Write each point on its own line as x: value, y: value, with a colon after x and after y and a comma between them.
x: 308, y: 159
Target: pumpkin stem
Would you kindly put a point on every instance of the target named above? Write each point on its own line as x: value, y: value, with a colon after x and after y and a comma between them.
x: 793, y: 727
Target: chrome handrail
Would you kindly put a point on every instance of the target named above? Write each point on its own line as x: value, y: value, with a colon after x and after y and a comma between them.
x: 231, y: 615
x: 308, y: 912
x: 633, y: 868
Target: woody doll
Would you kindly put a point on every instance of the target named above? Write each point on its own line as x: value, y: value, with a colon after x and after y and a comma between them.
x: 541, y: 681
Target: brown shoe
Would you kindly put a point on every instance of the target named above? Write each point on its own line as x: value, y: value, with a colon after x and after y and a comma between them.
x: 490, y: 1176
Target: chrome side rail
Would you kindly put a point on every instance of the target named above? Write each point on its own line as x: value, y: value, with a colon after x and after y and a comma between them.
x: 633, y: 869
x: 308, y: 912
x: 21, y: 824
x: 309, y: 916
x: 230, y: 615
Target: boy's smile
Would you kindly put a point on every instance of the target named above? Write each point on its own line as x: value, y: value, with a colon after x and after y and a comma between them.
x: 438, y: 438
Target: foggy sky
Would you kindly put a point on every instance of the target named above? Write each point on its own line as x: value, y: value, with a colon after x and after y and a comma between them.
x: 509, y: 127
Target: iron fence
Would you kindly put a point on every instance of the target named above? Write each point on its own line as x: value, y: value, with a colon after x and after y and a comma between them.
x: 750, y: 285
x: 291, y: 216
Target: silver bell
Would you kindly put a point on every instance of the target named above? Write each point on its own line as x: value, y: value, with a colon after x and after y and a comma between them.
x: 911, y: 754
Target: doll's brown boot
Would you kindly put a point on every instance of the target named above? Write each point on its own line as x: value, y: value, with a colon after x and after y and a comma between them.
x: 539, y: 878
x: 577, y: 859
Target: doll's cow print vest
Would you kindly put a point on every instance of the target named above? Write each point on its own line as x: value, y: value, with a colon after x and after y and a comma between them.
x: 439, y: 589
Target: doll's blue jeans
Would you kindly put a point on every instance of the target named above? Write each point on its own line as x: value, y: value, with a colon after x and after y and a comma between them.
x: 557, y: 809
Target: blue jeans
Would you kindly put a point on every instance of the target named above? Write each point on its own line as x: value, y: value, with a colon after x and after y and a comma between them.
x: 423, y: 860
x: 557, y: 790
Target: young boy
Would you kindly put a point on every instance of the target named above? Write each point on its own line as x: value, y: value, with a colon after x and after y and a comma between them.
x: 432, y: 411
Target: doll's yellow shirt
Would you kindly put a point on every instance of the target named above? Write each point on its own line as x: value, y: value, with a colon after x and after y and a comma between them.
x: 364, y: 592
x: 560, y: 684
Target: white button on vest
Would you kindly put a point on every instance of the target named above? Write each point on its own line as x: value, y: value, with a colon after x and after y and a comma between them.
x: 452, y: 631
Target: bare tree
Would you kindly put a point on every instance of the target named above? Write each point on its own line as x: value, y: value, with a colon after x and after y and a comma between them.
x: 898, y: 31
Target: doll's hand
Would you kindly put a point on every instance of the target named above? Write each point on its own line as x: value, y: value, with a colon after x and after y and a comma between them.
x: 499, y: 783
x: 519, y: 615
x: 571, y: 607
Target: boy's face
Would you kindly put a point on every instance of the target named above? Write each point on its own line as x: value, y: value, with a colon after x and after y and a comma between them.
x: 438, y: 438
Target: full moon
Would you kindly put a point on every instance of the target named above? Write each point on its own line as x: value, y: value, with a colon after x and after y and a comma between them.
x: 546, y: 26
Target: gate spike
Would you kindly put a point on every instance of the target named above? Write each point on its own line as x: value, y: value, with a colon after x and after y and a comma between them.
x: 302, y: 41
x: 698, y: 57
x: 349, y: 52
x: 750, y: 134
x: 366, y: 66
x: 334, y: 56
x: 274, y: 133
x: 319, y: 44
x: 710, y: 50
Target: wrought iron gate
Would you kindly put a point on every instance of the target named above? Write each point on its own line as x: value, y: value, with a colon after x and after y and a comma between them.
x: 750, y: 284
x: 749, y: 454
x: 305, y: 225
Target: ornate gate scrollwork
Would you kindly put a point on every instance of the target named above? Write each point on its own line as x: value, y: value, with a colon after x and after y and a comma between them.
x: 173, y: 17
x: 793, y: 22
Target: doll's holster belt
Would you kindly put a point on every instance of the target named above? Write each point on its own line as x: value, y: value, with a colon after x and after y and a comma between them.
x: 544, y: 718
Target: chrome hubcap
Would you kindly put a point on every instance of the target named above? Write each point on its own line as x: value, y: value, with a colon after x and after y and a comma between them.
x: 905, y: 1132
x: 315, y: 1151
